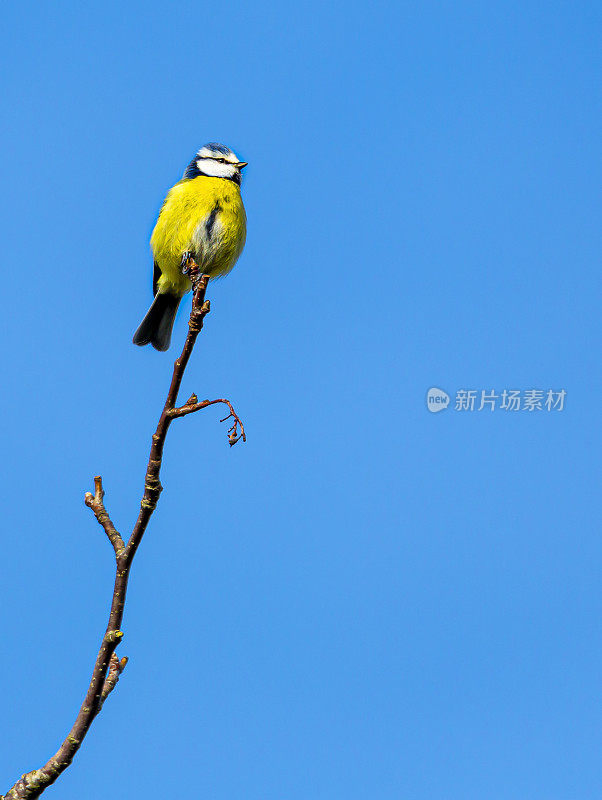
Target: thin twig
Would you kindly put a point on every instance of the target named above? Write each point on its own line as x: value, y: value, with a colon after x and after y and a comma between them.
x: 108, y: 667
x: 116, y: 667
x: 95, y: 502
x: 192, y: 405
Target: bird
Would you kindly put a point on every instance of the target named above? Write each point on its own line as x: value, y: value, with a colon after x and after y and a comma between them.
x: 203, y: 218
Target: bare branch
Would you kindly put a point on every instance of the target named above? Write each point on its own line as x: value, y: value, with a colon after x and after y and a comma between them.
x: 116, y: 667
x: 192, y: 405
x: 95, y: 502
x: 108, y: 666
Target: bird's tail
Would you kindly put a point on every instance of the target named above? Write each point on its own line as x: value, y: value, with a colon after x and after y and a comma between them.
x: 156, y: 326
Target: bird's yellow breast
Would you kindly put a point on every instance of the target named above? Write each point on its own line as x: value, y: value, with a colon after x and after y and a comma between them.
x: 206, y: 217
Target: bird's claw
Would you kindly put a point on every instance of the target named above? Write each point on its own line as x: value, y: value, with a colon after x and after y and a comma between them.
x: 185, y: 262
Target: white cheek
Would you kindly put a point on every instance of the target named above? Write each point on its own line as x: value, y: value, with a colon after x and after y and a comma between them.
x: 216, y: 169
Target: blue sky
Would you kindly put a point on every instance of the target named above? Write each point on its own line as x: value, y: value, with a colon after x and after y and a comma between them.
x: 366, y: 601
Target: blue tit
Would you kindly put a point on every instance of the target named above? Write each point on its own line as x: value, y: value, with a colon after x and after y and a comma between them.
x: 203, y: 217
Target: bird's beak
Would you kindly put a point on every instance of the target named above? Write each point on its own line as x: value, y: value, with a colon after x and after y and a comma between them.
x: 242, y: 164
